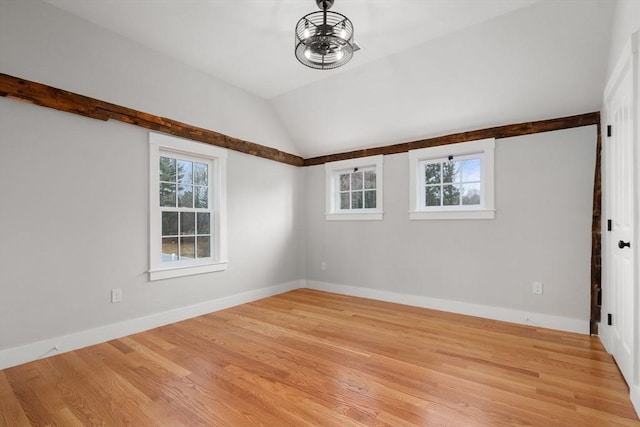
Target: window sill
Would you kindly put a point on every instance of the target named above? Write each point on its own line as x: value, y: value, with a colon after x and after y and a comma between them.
x: 439, y: 215
x: 168, y: 273
x: 370, y: 216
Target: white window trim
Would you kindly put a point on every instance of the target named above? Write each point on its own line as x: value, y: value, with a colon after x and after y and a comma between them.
x: 486, y: 210
x: 218, y: 156
x: 332, y: 170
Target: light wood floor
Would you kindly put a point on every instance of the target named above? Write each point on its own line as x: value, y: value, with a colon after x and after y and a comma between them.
x: 312, y: 358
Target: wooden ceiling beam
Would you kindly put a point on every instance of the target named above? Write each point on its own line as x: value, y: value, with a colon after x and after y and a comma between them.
x: 506, y: 131
x: 47, y: 96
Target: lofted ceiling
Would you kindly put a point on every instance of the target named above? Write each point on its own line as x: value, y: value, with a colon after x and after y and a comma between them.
x: 426, y: 68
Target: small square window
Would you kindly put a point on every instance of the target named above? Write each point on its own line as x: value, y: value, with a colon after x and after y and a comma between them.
x: 457, y: 179
x: 354, y: 189
x: 452, y: 181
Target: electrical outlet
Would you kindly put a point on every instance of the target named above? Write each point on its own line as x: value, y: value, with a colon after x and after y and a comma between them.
x: 323, y: 266
x: 537, y: 288
x: 116, y: 295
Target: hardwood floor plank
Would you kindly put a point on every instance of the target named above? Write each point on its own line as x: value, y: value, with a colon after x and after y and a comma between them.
x: 11, y: 411
x: 65, y: 417
x: 309, y: 358
x: 20, y: 379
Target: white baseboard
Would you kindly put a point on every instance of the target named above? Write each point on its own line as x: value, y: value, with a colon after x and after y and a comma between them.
x: 62, y: 344
x: 635, y: 398
x: 489, y: 312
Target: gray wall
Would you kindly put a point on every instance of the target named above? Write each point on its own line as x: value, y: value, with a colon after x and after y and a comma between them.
x: 74, y: 191
x: 542, y: 232
x: 75, y: 220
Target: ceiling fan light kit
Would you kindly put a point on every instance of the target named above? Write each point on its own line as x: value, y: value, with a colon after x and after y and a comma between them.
x: 324, y: 39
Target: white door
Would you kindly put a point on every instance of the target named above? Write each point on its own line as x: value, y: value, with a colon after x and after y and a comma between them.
x: 618, y: 287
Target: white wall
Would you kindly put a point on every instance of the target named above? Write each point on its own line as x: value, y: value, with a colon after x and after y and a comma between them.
x: 42, y: 43
x: 542, y: 232
x: 74, y: 191
x: 626, y: 21
x: 543, y: 61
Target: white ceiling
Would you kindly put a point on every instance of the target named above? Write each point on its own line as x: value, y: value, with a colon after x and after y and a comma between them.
x: 426, y: 67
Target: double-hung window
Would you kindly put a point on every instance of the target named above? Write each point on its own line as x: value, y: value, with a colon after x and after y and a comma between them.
x: 187, y: 206
x: 452, y: 181
x: 354, y: 189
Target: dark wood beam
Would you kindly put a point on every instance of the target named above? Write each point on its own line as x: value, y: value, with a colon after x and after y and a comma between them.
x: 596, y: 240
x: 47, y: 96
x: 506, y: 131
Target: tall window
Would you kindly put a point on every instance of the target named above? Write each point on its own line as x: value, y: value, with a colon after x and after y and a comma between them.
x: 354, y: 189
x: 452, y: 181
x: 187, y: 207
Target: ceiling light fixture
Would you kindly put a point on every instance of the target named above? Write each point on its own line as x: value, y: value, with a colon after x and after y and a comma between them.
x: 324, y: 40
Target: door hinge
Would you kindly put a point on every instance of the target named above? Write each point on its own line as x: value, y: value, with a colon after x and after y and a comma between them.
x: 609, y: 319
x: 609, y: 225
x: 608, y: 131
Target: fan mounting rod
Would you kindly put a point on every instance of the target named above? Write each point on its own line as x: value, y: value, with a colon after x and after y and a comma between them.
x: 324, y: 4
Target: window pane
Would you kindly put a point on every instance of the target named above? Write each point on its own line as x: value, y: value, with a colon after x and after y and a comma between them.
x: 344, y: 182
x: 356, y: 181
x: 471, y: 194
x: 167, y: 195
x: 167, y: 169
x: 201, y: 197
x: 432, y: 196
x: 204, y: 223
x: 450, y: 195
x: 471, y: 170
x: 185, y: 172
x: 370, y: 179
x: 204, y: 250
x: 200, y: 174
x: 185, y: 196
x: 356, y: 200
x: 169, y: 223
x: 432, y: 173
x: 187, y: 223
x: 187, y: 247
x: 344, y: 201
x: 169, y: 249
x: 451, y: 171
x: 370, y: 199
